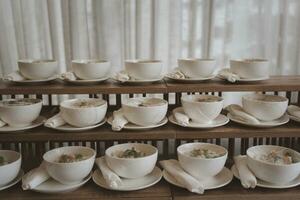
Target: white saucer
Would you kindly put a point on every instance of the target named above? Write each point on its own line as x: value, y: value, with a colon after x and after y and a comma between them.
x: 220, y: 180
x: 265, y: 184
x: 219, y: 121
x: 13, y: 182
x: 130, y: 184
x: 69, y: 128
x: 85, y: 82
x: 28, y: 81
x: 52, y: 186
x: 131, y: 126
x: 282, y: 120
x: 38, y: 122
x: 190, y: 80
x: 137, y: 81
x: 247, y: 79
x: 296, y: 119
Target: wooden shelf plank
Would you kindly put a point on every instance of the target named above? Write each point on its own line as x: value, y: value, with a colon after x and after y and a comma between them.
x: 275, y: 83
x: 59, y: 87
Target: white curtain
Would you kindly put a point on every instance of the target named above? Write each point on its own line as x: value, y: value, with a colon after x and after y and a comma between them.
x: 163, y: 29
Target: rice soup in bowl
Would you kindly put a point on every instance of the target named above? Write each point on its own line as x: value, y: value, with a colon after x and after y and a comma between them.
x: 91, y: 69
x: 20, y: 112
x: 265, y: 107
x: 83, y: 112
x: 131, y: 160
x: 10, y: 165
x: 274, y: 164
x: 145, y: 111
x: 202, y: 108
x: 202, y: 160
x: 64, y: 165
x: 38, y: 69
x: 144, y: 69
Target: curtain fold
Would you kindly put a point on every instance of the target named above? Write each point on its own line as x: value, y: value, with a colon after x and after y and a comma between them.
x: 153, y: 29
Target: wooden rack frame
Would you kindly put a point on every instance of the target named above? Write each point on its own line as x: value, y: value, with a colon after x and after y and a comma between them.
x: 33, y: 143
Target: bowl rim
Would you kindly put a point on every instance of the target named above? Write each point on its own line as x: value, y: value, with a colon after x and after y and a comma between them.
x: 179, y: 152
x: 126, y: 101
x: 143, y: 61
x: 11, y: 163
x: 67, y: 147
x: 39, y: 101
x: 36, y: 61
x: 197, y: 59
x: 89, y: 61
x: 250, y: 60
x: 186, y: 98
x: 63, y: 103
x: 140, y: 158
x: 248, y: 98
x: 271, y: 164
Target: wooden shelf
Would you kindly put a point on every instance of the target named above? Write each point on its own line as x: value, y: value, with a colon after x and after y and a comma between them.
x: 275, y: 83
x: 160, y: 191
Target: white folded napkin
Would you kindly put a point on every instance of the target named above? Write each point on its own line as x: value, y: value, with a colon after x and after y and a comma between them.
x: 225, y: 73
x: 35, y: 177
x: 181, y: 117
x: 177, y: 74
x: 119, y: 120
x: 122, y: 76
x: 14, y: 76
x: 173, y: 168
x: 2, y: 123
x: 294, y: 111
x: 55, y: 121
x: 68, y: 76
x: 110, y: 177
x: 247, y: 178
x: 238, y: 112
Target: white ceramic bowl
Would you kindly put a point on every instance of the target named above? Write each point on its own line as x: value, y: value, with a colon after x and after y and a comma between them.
x: 273, y: 107
x: 145, y: 116
x: 272, y: 173
x: 91, y: 69
x: 131, y: 167
x: 83, y: 116
x: 38, y: 69
x: 20, y: 115
x: 202, y: 112
x: 144, y: 69
x: 9, y: 171
x: 201, y: 168
x: 196, y: 67
x: 69, y: 173
x: 250, y: 68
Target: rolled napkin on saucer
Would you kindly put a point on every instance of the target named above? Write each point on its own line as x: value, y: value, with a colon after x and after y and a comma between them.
x: 173, y: 168
x: 14, y: 76
x: 294, y: 111
x: 181, y: 117
x: 247, y: 178
x: 2, y: 123
x: 119, y: 120
x: 177, y: 74
x: 239, y: 113
x: 35, y: 177
x: 122, y: 76
x: 228, y: 75
x: 68, y: 76
x: 55, y: 121
x: 110, y: 177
